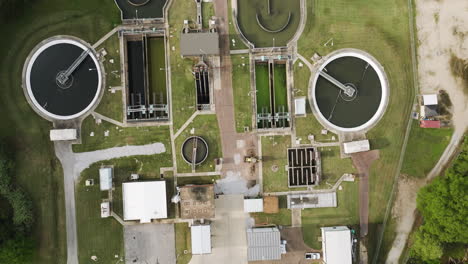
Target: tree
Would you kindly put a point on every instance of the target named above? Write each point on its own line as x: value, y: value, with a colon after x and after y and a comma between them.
x: 16, y: 251
x: 426, y: 246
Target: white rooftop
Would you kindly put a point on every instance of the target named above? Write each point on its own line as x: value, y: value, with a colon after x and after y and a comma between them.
x: 312, y: 200
x: 356, y: 146
x: 336, y: 245
x: 201, y: 239
x: 63, y: 134
x: 253, y: 205
x: 300, y: 106
x: 144, y: 201
x: 430, y: 99
x: 105, y: 179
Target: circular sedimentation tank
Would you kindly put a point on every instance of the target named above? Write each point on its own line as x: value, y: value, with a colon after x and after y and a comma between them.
x: 342, y: 110
x: 72, y: 96
x: 201, y: 150
x: 138, y: 2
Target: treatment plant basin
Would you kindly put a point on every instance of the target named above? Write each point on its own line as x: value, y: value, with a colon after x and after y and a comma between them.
x: 62, y: 78
x: 194, y: 148
x: 349, y: 91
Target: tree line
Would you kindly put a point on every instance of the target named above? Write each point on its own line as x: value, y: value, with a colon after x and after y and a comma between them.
x: 443, y: 204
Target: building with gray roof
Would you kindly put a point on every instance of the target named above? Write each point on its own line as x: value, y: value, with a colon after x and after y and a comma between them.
x: 199, y: 43
x: 263, y: 244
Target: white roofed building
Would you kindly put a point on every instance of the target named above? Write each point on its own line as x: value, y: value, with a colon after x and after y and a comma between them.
x: 63, y: 134
x: 105, y: 179
x: 356, y: 146
x: 201, y: 239
x: 430, y: 99
x: 336, y: 245
x: 144, y: 201
x: 253, y: 205
x: 300, y: 106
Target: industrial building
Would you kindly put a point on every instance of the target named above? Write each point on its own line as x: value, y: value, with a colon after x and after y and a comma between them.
x: 263, y: 244
x: 144, y: 201
x: 197, y: 202
x: 312, y: 200
x: 337, y: 245
x: 356, y: 146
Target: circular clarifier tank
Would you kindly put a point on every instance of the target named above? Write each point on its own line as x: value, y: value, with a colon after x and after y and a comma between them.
x: 349, y: 91
x: 194, y: 148
x: 62, y: 78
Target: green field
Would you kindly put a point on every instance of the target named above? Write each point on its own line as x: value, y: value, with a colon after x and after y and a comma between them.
x: 262, y: 84
x: 182, y: 80
x: 382, y: 29
x: 241, y: 92
x: 333, y: 166
x: 181, y: 181
x: 205, y: 126
x: 157, y: 71
x: 273, y: 21
x: 118, y: 136
x: 274, y: 154
x: 238, y: 43
x: 281, y: 92
x: 25, y: 133
x: 283, y: 217
x: 307, y: 125
x: 183, y: 242
x: 207, y: 13
x: 347, y: 213
x: 111, y: 104
x: 425, y: 146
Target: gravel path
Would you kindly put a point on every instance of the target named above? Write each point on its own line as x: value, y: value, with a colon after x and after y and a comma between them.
x: 73, y: 164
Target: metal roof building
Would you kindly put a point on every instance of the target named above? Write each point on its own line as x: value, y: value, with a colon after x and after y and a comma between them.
x: 312, y: 200
x: 336, y: 245
x: 253, y: 205
x: 105, y: 179
x: 201, y: 239
x: 199, y: 43
x: 144, y: 201
x: 356, y: 146
x: 263, y: 244
x: 430, y: 99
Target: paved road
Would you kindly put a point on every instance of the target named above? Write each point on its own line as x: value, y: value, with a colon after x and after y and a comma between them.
x: 73, y: 164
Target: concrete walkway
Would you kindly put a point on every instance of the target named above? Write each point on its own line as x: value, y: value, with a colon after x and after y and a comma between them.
x: 73, y: 164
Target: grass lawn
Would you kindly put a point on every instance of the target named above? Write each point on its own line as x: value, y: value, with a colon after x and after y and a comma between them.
x: 26, y: 134
x: 262, y: 85
x: 183, y: 242
x: 333, y: 166
x: 234, y: 38
x: 207, y: 13
x: 347, y: 213
x: 425, y: 146
x: 279, y: 18
x: 111, y: 104
x: 157, y: 69
x: 274, y: 156
x: 181, y: 181
x: 283, y: 218
x: 380, y: 28
x: 182, y: 80
x: 241, y: 91
x: 281, y: 92
x: 205, y: 126
x: 307, y: 125
x: 119, y: 136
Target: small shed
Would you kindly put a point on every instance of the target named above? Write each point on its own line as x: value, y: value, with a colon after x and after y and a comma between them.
x: 201, y: 239
x: 300, y: 106
x: 105, y: 209
x: 63, y: 134
x: 430, y: 99
x: 253, y: 205
x: 429, y: 124
x: 356, y: 146
x: 105, y: 178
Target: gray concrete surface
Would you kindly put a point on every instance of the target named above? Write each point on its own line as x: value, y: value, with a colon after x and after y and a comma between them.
x: 73, y: 164
x: 228, y: 233
x: 150, y: 243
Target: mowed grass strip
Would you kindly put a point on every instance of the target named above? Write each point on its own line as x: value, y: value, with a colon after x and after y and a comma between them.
x: 207, y: 13
x: 182, y: 80
x: 273, y: 20
x: 119, y: 136
x: 347, y: 213
x: 241, y: 91
x: 157, y: 70
x: 425, y: 146
x: 183, y: 243
x: 274, y: 159
x: 380, y: 28
x: 281, y: 93
x: 333, y: 166
x: 262, y: 85
x: 205, y: 126
x: 26, y: 134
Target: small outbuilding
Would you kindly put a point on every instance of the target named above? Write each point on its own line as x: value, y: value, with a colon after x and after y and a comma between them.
x: 105, y: 209
x: 430, y: 99
x: 300, y: 106
x: 429, y: 110
x: 197, y: 202
x: 105, y: 178
x: 253, y: 205
x: 63, y: 134
x: 201, y: 239
x: 429, y: 124
x: 337, y: 245
x: 312, y: 200
x: 263, y: 244
x: 144, y: 201
x: 356, y: 146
